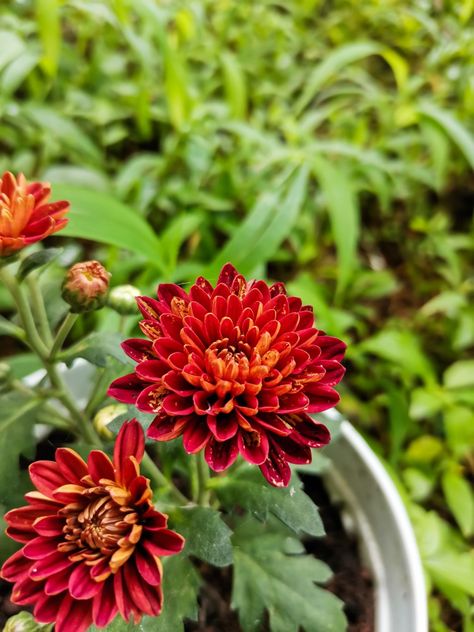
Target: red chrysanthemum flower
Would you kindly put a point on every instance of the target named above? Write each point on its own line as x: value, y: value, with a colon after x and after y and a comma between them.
x: 234, y: 369
x: 25, y: 214
x: 92, y: 538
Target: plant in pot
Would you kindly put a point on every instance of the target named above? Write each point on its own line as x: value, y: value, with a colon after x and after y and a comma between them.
x: 207, y: 525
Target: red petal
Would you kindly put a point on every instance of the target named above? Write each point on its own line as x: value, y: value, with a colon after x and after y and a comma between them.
x: 253, y: 446
x: 196, y: 435
x: 276, y: 469
x: 49, y: 526
x: 332, y: 348
x: 16, y: 567
x: 74, y: 615
x: 293, y: 403
x: 27, y: 591
x: 164, y: 542
x: 167, y: 292
x: 47, y: 607
x: 122, y: 597
x: 81, y: 584
x: 104, y: 607
x: 57, y: 583
x: 126, y: 389
x: 293, y: 450
x: 20, y: 522
x: 40, y: 547
x: 50, y: 565
x: 220, y: 456
x: 321, y: 397
x: 151, y: 370
x: 46, y: 476
x: 165, y: 428
x: 176, y: 405
x: 100, y: 466
x: 130, y: 442
x: 227, y: 274
x: 176, y: 383
x: 146, y: 599
x: 223, y: 427
x: 148, y: 566
x: 71, y: 465
x: 311, y: 433
x: 138, y: 349
x: 334, y: 372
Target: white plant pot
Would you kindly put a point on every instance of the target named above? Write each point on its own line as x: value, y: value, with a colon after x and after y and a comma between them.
x: 373, y: 509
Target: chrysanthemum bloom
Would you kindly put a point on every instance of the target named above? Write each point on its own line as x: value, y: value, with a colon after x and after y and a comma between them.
x: 92, y: 538
x: 26, y: 216
x: 234, y: 369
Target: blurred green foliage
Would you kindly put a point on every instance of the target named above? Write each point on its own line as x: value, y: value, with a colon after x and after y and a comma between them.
x: 325, y: 143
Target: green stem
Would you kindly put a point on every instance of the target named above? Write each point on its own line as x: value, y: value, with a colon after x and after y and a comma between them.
x: 24, y: 311
x: 159, y: 480
x: 39, y: 309
x: 60, y: 421
x: 62, y: 333
x: 97, y: 395
x: 203, y: 478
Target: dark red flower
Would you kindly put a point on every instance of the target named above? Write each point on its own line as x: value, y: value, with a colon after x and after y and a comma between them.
x: 234, y: 369
x: 26, y: 216
x: 92, y: 538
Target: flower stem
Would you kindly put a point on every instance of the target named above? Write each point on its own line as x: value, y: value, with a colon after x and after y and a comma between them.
x: 39, y: 309
x: 102, y: 379
x: 32, y: 337
x: 203, y: 478
x: 62, y: 333
x: 159, y: 479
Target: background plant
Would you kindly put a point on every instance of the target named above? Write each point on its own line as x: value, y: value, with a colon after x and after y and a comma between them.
x: 320, y: 142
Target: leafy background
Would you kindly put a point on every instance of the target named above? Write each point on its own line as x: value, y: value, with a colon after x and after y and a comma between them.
x: 325, y: 143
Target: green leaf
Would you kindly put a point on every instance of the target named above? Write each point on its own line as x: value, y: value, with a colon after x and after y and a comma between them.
x: 459, y: 429
x: 459, y: 134
x: 37, y: 260
x: 100, y: 217
x: 207, y: 536
x: 403, y: 349
x: 49, y: 27
x: 424, y: 449
x: 17, y: 71
x: 344, y: 216
x: 399, y: 419
x: 455, y: 569
x: 291, y: 505
x: 459, y: 374
x: 16, y: 437
x: 460, y: 499
x: 96, y: 348
x: 258, y: 237
x: 267, y: 578
x: 235, y: 85
x: 330, y: 68
x: 176, y: 83
x: 180, y: 587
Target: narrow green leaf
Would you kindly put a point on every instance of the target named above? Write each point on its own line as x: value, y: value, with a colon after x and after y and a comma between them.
x: 330, y: 68
x: 176, y: 83
x: 235, y: 85
x: 344, y: 216
x: 49, y: 28
x: 100, y: 217
x: 207, y: 536
x: 459, y: 134
x: 268, y: 224
x: 17, y: 71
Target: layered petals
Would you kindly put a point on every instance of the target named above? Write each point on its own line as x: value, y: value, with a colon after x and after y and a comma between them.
x: 25, y: 214
x: 234, y: 369
x: 92, y: 538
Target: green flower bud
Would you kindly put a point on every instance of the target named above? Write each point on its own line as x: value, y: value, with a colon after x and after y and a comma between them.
x: 105, y: 416
x: 5, y: 374
x: 24, y: 622
x: 122, y: 299
x: 86, y: 286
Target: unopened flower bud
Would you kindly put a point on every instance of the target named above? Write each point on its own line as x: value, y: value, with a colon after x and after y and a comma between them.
x: 122, y: 299
x: 85, y: 286
x: 105, y: 416
x: 24, y: 622
x: 5, y: 373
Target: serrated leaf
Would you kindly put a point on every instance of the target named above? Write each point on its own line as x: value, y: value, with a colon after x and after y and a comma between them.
x: 291, y: 505
x: 180, y: 587
x: 96, y: 348
x: 207, y: 536
x: 266, y: 577
x: 37, y: 260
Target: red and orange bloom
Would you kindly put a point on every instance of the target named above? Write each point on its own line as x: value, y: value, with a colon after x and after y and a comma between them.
x: 234, y: 369
x: 92, y: 539
x: 26, y: 216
